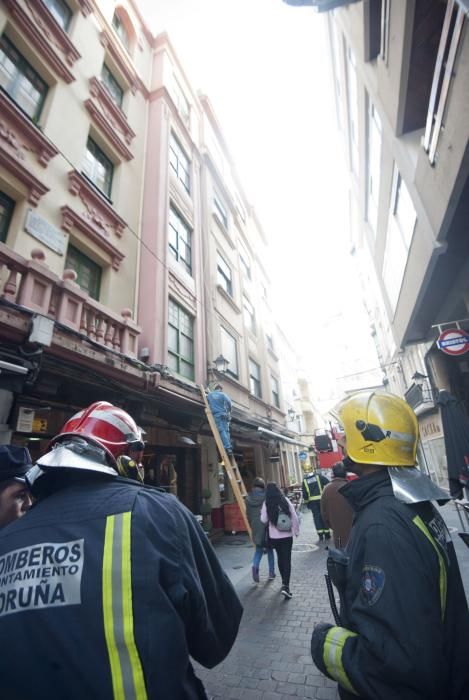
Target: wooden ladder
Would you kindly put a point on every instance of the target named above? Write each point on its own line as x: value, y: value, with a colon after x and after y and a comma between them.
x: 231, y: 467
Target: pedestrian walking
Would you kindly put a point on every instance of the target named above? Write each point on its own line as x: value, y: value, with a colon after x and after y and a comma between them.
x: 404, y: 622
x: 283, y: 523
x: 220, y: 405
x: 108, y: 585
x: 15, y: 497
x: 336, y: 511
x: 312, y: 487
x: 254, y: 501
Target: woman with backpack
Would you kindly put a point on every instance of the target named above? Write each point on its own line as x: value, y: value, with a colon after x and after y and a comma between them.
x: 283, y: 522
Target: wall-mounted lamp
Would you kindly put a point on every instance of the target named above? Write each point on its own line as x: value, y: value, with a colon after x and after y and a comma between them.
x: 221, y: 364
x: 418, y: 376
x: 292, y: 415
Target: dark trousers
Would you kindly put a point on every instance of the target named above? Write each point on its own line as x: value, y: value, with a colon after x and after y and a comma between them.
x: 283, y: 548
x: 319, y: 524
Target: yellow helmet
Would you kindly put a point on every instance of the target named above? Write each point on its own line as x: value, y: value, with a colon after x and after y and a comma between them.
x: 380, y: 428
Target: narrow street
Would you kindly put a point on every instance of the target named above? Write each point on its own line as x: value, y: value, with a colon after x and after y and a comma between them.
x: 271, y: 658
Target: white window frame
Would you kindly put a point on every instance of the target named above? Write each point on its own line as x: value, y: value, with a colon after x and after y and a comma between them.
x: 180, y: 163
x: 373, y: 166
x: 255, y: 384
x: 249, y: 315
x: 224, y: 275
x: 220, y: 210
x: 401, y: 226
x: 245, y: 262
x: 352, y: 96
x: 229, y: 349
x: 275, y: 385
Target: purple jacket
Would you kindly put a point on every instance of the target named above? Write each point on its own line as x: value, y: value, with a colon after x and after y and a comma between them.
x: 275, y: 534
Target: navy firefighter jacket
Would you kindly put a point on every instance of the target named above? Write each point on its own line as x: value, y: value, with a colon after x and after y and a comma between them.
x: 106, y: 588
x: 405, y: 621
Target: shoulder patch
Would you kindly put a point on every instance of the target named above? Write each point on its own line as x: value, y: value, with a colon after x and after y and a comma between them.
x: 373, y: 579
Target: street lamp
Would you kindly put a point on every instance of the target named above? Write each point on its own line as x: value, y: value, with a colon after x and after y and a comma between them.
x: 291, y: 414
x: 221, y: 364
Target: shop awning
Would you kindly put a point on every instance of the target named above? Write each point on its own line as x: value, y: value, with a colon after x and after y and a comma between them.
x: 280, y: 436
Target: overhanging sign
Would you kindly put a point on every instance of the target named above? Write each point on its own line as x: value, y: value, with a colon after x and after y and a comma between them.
x: 453, y: 341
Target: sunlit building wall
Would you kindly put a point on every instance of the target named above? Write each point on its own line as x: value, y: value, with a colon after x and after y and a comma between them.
x: 401, y: 70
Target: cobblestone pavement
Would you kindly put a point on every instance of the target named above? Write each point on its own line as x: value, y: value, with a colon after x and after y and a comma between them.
x: 271, y: 659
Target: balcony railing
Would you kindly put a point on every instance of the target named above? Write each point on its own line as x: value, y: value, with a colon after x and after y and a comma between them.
x: 30, y: 284
x: 443, y: 75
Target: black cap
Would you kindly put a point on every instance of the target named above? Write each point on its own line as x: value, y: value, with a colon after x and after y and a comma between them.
x: 14, y: 462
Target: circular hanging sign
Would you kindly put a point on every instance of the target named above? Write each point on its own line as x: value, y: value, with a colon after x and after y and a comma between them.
x: 453, y: 341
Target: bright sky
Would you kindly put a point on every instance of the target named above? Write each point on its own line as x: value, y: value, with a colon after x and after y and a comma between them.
x: 265, y: 67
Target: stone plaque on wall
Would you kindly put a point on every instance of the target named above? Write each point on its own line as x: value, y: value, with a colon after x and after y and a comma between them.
x: 45, y: 232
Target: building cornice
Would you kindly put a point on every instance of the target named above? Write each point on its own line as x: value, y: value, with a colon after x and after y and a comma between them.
x: 36, y: 188
x: 71, y: 219
x: 111, y: 111
x: 98, y: 210
x: 42, y: 32
x: 36, y: 142
x: 108, y: 129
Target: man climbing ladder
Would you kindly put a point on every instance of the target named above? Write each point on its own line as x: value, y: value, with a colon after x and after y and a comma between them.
x: 220, y: 405
x: 231, y: 468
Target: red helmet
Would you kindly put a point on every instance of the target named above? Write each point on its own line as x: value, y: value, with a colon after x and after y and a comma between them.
x: 106, y: 425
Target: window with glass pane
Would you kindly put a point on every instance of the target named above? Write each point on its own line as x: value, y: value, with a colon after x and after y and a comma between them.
x: 120, y: 30
x: 179, y: 162
x: 20, y: 80
x: 249, y: 315
x: 275, y: 391
x: 179, y: 238
x: 220, y: 210
x: 7, y: 206
x: 224, y: 275
x: 245, y: 264
x: 60, y: 12
x: 182, y: 105
x: 255, y: 378
x: 112, y: 86
x: 401, y: 225
x: 374, y: 156
x: 352, y: 90
x: 180, y: 340
x: 98, y: 168
x: 229, y: 351
x: 88, y: 272
x: 270, y: 342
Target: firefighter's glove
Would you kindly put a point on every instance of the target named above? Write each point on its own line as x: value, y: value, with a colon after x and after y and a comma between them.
x: 318, y: 639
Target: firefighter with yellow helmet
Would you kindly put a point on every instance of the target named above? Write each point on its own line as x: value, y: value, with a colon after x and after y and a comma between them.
x: 403, y: 626
x: 312, y: 486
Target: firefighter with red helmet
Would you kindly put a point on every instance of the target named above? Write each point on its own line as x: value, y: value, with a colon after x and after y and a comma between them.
x: 108, y: 586
x: 403, y: 627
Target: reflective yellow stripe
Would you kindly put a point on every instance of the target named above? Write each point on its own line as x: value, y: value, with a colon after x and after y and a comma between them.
x: 137, y: 670
x: 310, y: 497
x: 332, y: 656
x: 318, y: 481
x: 107, y: 610
x: 126, y: 670
x: 443, y: 580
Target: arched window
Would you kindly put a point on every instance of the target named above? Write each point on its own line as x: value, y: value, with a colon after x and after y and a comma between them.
x: 122, y: 25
